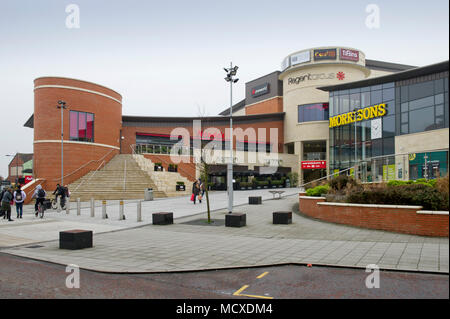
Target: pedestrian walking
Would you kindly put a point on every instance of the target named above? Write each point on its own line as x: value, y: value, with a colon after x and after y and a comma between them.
x: 195, y: 191
x: 6, y: 203
x: 19, y: 198
x: 201, y: 188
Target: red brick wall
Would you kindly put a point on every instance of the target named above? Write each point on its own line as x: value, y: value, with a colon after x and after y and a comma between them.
x: 274, y: 105
x: 401, y: 220
x: 47, y: 126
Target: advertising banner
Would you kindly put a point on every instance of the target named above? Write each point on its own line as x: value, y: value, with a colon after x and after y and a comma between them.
x: 325, y: 54
x: 301, y: 57
x: 349, y: 55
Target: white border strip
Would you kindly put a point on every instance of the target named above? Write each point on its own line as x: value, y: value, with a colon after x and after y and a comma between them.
x: 77, y: 142
x: 76, y: 88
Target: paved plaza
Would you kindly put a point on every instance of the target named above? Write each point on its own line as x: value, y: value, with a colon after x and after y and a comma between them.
x: 131, y: 246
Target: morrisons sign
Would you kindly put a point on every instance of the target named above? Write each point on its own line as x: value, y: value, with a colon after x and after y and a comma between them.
x: 366, y: 113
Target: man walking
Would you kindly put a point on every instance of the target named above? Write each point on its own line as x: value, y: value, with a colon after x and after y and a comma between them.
x: 6, y: 203
x: 19, y: 198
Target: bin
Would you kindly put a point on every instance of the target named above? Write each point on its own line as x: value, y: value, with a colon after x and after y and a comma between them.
x: 148, y: 194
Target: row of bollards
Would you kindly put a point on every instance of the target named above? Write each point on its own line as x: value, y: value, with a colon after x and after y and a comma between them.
x: 104, y: 214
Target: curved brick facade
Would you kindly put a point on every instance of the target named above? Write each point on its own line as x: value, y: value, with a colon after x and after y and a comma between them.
x: 80, y: 96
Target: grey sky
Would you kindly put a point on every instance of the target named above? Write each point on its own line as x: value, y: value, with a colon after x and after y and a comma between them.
x: 166, y: 57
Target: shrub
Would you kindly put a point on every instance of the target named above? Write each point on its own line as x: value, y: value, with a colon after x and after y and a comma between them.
x: 411, y: 194
x: 442, y: 185
x: 340, y: 182
x: 318, y: 190
x: 293, y: 178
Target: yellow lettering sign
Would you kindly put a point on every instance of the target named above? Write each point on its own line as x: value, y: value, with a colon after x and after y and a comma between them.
x: 366, y: 113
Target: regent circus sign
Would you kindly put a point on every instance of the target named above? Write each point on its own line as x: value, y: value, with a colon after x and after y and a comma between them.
x: 366, y: 113
x: 314, y: 164
x: 309, y: 77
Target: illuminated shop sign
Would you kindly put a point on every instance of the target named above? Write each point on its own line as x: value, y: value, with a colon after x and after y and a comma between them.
x: 366, y: 113
x: 314, y: 164
x: 324, y: 54
x: 301, y: 57
x: 350, y: 55
x: 260, y: 90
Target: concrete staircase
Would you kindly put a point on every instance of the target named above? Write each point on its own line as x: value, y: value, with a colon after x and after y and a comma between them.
x: 121, y: 178
x: 165, y: 181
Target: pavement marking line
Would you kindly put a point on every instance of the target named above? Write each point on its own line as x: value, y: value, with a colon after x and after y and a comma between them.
x: 238, y: 293
x: 262, y: 275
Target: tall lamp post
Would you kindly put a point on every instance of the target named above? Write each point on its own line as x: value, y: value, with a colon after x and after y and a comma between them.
x: 17, y: 165
x: 62, y: 106
x: 229, y: 78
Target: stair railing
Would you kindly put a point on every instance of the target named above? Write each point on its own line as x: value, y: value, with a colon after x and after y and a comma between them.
x: 89, y: 178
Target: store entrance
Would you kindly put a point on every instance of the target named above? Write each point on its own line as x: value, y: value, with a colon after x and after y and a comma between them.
x: 310, y: 175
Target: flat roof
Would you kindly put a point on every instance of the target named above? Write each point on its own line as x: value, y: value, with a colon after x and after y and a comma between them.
x: 399, y: 76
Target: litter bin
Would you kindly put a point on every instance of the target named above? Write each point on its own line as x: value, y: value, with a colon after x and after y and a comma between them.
x: 148, y: 194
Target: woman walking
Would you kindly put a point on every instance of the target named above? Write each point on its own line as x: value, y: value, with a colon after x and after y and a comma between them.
x: 195, y: 191
x: 19, y: 197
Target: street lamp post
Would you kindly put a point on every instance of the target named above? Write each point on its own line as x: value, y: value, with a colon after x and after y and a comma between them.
x: 229, y: 78
x: 62, y: 106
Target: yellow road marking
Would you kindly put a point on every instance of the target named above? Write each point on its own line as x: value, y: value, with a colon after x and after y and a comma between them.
x: 238, y: 293
x: 262, y: 275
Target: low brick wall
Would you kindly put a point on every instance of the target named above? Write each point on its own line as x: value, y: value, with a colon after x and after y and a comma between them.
x: 401, y: 219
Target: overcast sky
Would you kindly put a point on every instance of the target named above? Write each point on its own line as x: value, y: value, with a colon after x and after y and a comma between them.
x: 166, y: 57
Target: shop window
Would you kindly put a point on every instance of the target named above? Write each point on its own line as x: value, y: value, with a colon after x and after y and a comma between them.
x: 81, y: 126
x: 421, y: 90
x: 376, y: 97
x: 420, y: 103
x: 388, y: 146
x: 377, y: 147
x: 421, y: 120
x: 313, y: 112
x: 388, y: 94
x: 389, y: 126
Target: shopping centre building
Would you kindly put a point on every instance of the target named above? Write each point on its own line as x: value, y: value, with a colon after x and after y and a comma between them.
x: 327, y: 110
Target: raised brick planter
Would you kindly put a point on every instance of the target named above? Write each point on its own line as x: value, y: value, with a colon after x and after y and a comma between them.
x: 235, y: 220
x: 255, y: 200
x: 282, y: 217
x: 75, y: 239
x: 162, y: 218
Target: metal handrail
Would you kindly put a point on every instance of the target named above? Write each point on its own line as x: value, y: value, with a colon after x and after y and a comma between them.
x: 89, y: 177
x: 84, y: 165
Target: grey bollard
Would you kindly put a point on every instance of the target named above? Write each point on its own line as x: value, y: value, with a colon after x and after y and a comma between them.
x: 68, y: 206
x: 139, y: 210
x: 121, y: 210
x: 78, y: 207
x: 104, y: 216
x: 92, y: 207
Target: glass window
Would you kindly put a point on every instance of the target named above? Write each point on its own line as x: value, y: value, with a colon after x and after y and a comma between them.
x: 388, y: 94
x: 439, y: 99
x: 344, y: 103
x: 404, y: 129
x: 355, y: 101
x: 313, y: 112
x: 404, y: 96
x: 390, y: 107
x: 81, y: 126
x: 438, y: 86
x: 421, y: 120
x: 388, y: 126
x: 388, y: 85
x: 404, y: 107
x: 404, y: 118
x: 376, y: 87
x: 388, y: 146
x: 376, y: 97
x: 420, y: 90
x: 352, y: 91
x: 73, y: 124
x: 446, y: 84
x: 440, y: 119
x: 331, y: 107
x: 336, y: 106
x: 377, y: 147
x: 365, y: 99
x: 365, y: 89
x: 420, y: 103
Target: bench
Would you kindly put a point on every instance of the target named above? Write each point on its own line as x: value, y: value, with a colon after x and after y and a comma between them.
x: 235, y: 220
x: 162, y: 218
x: 276, y: 192
x: 75, y: 239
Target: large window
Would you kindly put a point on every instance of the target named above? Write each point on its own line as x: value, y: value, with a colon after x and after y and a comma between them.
x: 313, y: 112
x: 81, y: 126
